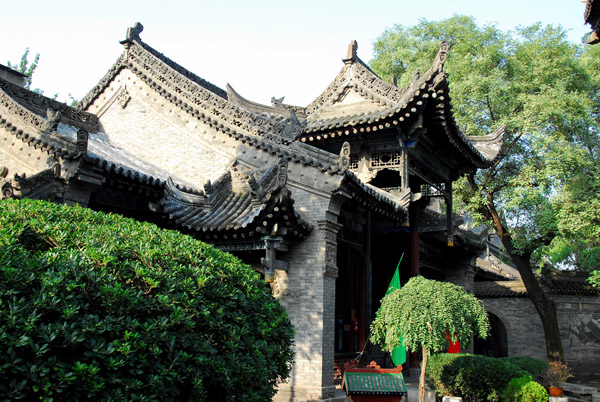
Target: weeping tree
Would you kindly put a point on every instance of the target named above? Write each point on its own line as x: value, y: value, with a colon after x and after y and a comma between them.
x: 424, y: 312
x: 542, y: 196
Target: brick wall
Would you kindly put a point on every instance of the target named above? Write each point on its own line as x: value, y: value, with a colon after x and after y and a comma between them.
x: 308, y: 293
x: 579, y: 327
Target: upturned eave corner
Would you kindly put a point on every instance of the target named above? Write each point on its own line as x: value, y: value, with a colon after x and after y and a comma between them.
x: 490, y: 146
x: 591, y: 17
x: 239, y: 208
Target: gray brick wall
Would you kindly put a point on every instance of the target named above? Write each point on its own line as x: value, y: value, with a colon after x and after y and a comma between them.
x: 309, y: 297
x: 579, y: 327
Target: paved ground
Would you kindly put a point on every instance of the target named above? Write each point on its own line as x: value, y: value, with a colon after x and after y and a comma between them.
x: 413, y: 394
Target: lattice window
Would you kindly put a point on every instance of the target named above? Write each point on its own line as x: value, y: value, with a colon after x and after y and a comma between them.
x: 385, y: 159
x: 430, y: 191
x: 396, y: 189
x: 353, y: 162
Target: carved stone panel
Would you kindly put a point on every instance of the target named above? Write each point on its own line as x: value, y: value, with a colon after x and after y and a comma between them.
x: 329, y: 230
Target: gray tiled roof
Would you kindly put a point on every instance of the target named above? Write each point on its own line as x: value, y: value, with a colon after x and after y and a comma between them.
x: 559, y: 283
x: 378, y: 104
x: 236, y: 209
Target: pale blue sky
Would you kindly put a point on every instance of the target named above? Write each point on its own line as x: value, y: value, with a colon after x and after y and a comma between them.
x: 263, y: 48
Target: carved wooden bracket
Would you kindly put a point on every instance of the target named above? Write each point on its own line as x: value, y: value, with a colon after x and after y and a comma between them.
x: 270, y: 261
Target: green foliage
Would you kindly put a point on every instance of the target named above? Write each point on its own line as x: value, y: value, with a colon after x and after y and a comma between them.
x: 524, y: 389
x: 535, y: 367
x: 25, y: 67
x: 95, y: 306
x: 474, y: 377
x: 546, y: 92
x: 594, y: 279
x: 423, y: 311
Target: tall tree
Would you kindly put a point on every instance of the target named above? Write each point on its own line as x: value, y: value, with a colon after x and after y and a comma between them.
x: 25, y: 67
x: 542, y: 195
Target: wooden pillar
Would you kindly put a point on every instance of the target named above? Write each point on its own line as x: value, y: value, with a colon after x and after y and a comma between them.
x: 414, y: 240
x: 414, y: 260
x: 352, y: 289
x: 404, y: 161
x: 364, y: 281
x: 449, y: 215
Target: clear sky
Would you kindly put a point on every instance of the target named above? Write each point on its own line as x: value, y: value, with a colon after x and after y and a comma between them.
x: 262, y: 48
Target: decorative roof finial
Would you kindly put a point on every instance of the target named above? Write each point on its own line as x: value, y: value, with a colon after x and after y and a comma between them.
x: 133, y: 33
x: 344, y: 157
x: 51, y: 124
x: 277, y: 102
x: 352, y: 48
x: 442, y: 55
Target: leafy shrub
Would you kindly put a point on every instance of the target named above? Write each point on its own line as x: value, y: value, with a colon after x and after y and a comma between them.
x: 524, y: 389
x: 98, y: 306
x: 535, y: 367
x: 474, y: 377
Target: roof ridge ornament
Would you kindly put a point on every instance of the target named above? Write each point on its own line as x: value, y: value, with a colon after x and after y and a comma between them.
x: 133, y: 33
x: 293, y: 129
x: 344, y: 157
x: 441, y: 56
x: 277, y: 102
x: 51, y: 124
x: 351, y: 54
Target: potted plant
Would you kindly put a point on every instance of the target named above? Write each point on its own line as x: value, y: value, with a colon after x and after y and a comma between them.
x: 557, y: 373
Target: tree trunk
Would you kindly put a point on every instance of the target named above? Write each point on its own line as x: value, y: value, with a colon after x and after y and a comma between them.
x: 422, y: 378
x: 542, y: 302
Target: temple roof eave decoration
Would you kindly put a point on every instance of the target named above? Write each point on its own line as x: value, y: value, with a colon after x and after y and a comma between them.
x: 44, y: 123
x: 392, y: 206
x: 241, y: 209
x: 591, y: 17
x: 210, y: 105
x: 386, y: 107
x: 195, y: 96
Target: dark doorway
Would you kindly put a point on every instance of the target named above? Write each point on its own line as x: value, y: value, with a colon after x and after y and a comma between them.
x: 495, y: 345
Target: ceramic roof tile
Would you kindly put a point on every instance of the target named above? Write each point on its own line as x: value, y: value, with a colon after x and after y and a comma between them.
x: 249, y: 208
x: 559, y: 283
x: 383, y: 102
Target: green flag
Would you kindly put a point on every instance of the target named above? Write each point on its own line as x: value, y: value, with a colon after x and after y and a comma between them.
x: 399, y: 352
x: 395, y: 282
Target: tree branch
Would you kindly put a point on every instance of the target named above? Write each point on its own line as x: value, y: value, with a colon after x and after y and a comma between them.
x: 489, y: 108
x: 492, y: 169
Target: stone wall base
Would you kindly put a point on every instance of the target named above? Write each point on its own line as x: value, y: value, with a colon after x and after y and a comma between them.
x: 290, y: 393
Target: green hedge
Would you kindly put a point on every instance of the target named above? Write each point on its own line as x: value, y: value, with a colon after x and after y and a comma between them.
x: 535, y: 367
x: 98, y: 306
x: 473, y: 377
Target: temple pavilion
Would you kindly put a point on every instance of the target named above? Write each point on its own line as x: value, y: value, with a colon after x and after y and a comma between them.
x: 322, y: 200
